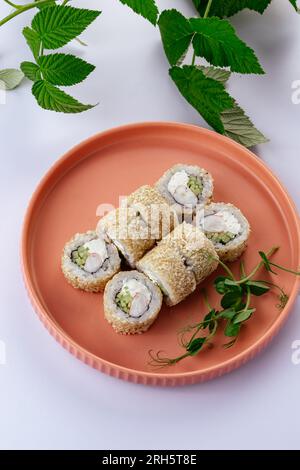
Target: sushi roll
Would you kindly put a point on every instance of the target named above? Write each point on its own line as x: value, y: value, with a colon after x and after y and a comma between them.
x: 185, y: 187
x: 197, y: 251
x: 154, y: 209
x: 128, y: 231
x: 166, y: 267
x: 227, y: 228
x: 89, y: 261
x: 131, y: 302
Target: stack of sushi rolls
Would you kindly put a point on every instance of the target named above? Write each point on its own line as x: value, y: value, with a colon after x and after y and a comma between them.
x: 186, y: 187
x: 89, y: 261
x: 131, y: 302
x: 138, y: 224
x: 169, y: 259
x: 182, y: 259
x: 226, y: 227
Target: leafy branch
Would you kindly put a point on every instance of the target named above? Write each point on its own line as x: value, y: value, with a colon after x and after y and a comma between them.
x: 211, y: 38
x: 235, y: 303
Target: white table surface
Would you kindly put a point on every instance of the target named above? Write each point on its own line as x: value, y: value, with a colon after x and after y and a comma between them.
x: 50, y: 400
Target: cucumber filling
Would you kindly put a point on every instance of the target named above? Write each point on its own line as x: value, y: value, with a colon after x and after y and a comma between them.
x: 220, y: 237
x: 195, y: 185
x: 80, y: 256
x: 124, y: 300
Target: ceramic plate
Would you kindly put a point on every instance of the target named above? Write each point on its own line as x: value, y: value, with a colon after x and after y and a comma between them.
x: 115, y: 163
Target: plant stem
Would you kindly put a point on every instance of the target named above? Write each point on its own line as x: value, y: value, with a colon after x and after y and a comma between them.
x: 229, y: 272
x: 207, y: 9
x: 297, y: 273
x: 247, y: 278
x: 12, y: 4
x: 21, y: 9
x: 193, y: 58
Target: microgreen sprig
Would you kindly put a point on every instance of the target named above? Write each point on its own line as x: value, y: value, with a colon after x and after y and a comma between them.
x: 235, y: 302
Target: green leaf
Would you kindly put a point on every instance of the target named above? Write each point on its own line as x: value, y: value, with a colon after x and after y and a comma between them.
x: 231, y: 299
x: 221, y: 75
x: 146, y: 8
x: 266, y: 261
x: 54, y: 99
x: 31, y: 71
x: 219, y: 284
x: 257, y: 287
x: 33, y: 40
x: 176, y: 34
x: 243, y: 316
x: 207, y: 96
x: 216, y: 40
x: 64, y: 69
x: 231, y: 7
x: 51, y: 3
x: 58, y: 25
x: 195, y: 345
x: 229, y: 313
x: 10, y: 78
x: 232, y: 329
x: 294, y: 3
x: 239, y: 127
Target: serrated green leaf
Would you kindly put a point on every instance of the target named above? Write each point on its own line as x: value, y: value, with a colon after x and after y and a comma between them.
x: 221, y: 75
x: 216, y: 40
x: 64, y: 69
x: 58, y: 25
x: 33, y: 40
x: 239, y: 127
x: 31, y: 71
x: 10, y: 78
x: 52, y: 98
x: 145, y: 8
x: 207, y: 96
x: 227, y: 8
x: 176, y: 34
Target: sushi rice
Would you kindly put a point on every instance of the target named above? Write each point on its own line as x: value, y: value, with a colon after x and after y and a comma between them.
x: 89, y: 261
x: 186, y: 187
x: 131, y: 302
x: 226, y: 227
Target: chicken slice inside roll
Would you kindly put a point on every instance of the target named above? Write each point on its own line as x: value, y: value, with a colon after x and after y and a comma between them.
x: 131, y: 302
x: 89, y: 261
x: 185, y: 187
x: 226, y: 227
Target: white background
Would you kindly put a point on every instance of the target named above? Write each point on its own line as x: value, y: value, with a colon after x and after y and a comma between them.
x: 50, y: 400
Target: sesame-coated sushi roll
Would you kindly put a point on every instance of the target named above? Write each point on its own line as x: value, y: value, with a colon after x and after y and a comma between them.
x: 154, y: 209
x: 131, y: 302
x: 89, y: 261
x: 166, y: 267
x: 185, y: 187
x: 227, y: 228
x: 197, y: 251
x: 128, y: 231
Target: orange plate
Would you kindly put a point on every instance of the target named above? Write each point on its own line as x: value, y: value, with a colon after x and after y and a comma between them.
x: 115, y: 163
